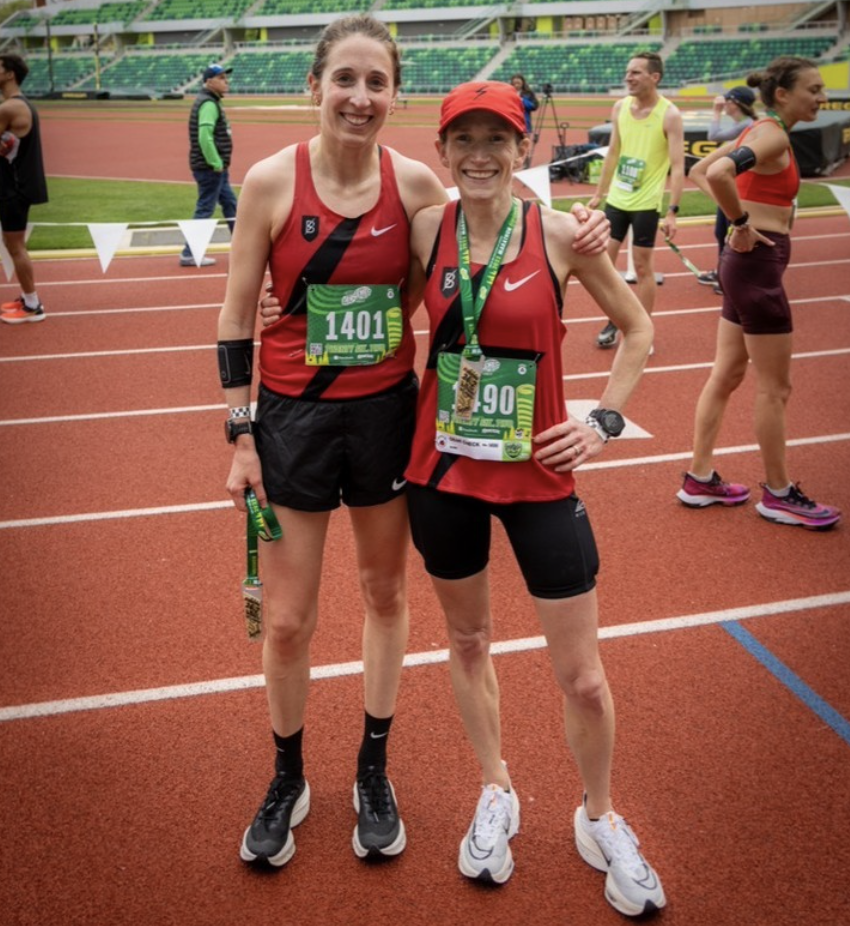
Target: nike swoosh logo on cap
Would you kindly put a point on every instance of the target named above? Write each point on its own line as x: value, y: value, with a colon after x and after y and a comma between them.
x: 510, y: 287
x: 377, y: 232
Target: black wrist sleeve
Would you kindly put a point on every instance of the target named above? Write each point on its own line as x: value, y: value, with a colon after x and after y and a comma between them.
x: 236, y: 362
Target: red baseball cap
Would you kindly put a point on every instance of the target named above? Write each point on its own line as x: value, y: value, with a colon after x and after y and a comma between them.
x: 490, y: 95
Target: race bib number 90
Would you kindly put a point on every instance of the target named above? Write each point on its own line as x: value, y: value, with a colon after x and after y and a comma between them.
x: 500, y: 426
x: 352, y: 325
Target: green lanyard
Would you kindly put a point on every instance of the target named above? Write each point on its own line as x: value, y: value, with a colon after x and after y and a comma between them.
x: 778, y: 119
x: 262, y: 524
x: 470, y: 308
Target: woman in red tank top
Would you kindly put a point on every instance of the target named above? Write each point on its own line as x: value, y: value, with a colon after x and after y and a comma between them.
x: 754, y: 181
x: 493, y: 439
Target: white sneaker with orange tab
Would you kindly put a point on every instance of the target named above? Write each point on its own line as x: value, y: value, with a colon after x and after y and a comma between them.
x: 609, y: 844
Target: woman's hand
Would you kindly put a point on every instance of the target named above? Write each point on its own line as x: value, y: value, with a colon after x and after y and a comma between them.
x: 594, y: 231
x: 246, y: 473
x: 743, y: 238
x: 568, y: 445
x: 270, y: 310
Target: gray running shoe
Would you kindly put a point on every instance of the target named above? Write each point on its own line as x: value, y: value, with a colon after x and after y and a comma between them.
x: 485, y: 853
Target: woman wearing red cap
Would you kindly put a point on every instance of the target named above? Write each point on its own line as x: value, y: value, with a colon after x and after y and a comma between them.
x: 493, y: 439
x: 331, y: 219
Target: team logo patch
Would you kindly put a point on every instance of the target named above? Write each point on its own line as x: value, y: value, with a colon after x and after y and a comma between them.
x: 449, y: 284
x: 309, y: 227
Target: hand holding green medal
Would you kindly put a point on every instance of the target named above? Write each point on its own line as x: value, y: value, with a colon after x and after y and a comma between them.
x: 262, y: 525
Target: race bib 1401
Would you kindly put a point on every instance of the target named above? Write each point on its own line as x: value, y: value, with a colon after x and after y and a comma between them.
x: 353, y: 325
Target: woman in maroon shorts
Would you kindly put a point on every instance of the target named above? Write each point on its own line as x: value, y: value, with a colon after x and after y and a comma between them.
x: 755, y: 181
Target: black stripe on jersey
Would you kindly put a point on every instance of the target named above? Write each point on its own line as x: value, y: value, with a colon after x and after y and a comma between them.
x: 445, y: 462
x: 321, y: 266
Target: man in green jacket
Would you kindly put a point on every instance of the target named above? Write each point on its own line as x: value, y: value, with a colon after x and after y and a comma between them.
x: 210, y: 150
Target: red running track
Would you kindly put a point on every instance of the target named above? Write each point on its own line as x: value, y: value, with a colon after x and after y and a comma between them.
x: 122, y: 560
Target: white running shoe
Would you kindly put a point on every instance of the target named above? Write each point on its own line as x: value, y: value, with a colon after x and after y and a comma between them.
x: 632, y: 886
x: 485, y: 852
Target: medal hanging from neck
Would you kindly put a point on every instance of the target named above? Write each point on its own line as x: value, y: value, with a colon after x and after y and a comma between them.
x: 472, y: 358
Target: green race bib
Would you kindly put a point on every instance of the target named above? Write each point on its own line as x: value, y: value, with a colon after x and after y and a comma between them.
x: 629, y: 173
x: 500, y: 425
x: 353, y: 325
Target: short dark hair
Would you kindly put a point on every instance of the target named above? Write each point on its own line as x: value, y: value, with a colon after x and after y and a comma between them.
x: 17, y: 65
x: 654, y: 61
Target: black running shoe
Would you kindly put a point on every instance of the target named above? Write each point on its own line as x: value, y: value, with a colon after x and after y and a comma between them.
x: 269, y: 837
x: 607, y: 337
x: 379, y: 830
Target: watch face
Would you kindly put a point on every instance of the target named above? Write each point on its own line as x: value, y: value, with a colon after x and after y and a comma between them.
x: 612, y: 422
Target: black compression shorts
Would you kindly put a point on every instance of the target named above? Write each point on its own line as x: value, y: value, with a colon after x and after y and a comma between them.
x: 644, y: 225
x: 552, y: 541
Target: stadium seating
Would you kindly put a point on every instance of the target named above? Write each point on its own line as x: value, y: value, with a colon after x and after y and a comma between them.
x: 710, y: 60
x: 294, y: 7
x: 151, y: 71
x: 121, y: 12
x: 572, y: 68
x: 197, y: 9
x: 270, y: 72
x: 437, y: 70
x: 68, y: 70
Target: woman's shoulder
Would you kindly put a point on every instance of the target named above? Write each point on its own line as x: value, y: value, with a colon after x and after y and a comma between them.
x: 418, y: 185
x: 276, y: 168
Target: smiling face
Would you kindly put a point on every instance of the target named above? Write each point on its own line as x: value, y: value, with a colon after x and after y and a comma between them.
x: 482, y: 151
x: 803, y: 101
x: 356, y: 90
x: 640, y: 81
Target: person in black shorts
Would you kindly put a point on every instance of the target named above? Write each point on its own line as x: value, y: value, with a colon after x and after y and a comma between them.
x: 22, y: 185
x: 493, y: 440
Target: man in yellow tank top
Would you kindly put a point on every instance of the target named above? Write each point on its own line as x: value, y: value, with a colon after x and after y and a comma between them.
x: 647, y: 141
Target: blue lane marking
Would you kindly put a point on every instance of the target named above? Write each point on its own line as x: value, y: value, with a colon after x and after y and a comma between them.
x: 810, y: 698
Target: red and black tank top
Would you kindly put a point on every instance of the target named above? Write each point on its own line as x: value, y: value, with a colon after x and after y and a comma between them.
x: 521, y: 319
x: 316, y: 245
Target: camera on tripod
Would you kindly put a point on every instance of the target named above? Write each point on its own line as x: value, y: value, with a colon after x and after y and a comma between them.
x: 548, y: 89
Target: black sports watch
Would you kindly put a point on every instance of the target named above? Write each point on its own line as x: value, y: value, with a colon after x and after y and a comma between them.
x: 673, y: 209
x: 741, y: 221
x: 606, y: 422
x: 233, y: 428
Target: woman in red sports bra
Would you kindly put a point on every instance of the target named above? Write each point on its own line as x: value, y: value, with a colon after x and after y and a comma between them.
x: 755, y: 181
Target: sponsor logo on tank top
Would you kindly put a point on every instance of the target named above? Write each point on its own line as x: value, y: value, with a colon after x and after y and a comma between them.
x: 449, y: 283
x: 309, y: 227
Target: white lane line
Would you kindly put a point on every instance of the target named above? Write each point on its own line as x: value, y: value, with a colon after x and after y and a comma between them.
x: 214, y: 506
x: 97, y: 416
x: 342, y: 669
x: 420, y: 332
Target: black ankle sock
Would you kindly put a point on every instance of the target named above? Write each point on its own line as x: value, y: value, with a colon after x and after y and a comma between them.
x: 288, y: 760
x: 373, y: 749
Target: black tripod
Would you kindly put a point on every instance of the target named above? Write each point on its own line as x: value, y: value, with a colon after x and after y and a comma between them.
x: 560, y: 127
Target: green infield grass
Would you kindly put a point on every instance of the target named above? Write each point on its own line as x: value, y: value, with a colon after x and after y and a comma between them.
x: 74, y: 203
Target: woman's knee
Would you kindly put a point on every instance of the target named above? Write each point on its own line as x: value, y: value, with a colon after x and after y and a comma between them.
x: 471, y: 647
x: 587, y: 689
x: 288, y: 633
x: 384, y: 596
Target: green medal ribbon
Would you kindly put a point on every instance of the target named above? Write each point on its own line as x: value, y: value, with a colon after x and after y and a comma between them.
x: 262, y: 525
x: 472, y: 308
x: 778, y: 119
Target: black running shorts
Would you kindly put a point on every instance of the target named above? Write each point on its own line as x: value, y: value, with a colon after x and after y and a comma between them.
x: 552, y: 541
x: 14, y: 213
x: 644, y: 225
x: 316, y: 454
x: 753, y: 295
